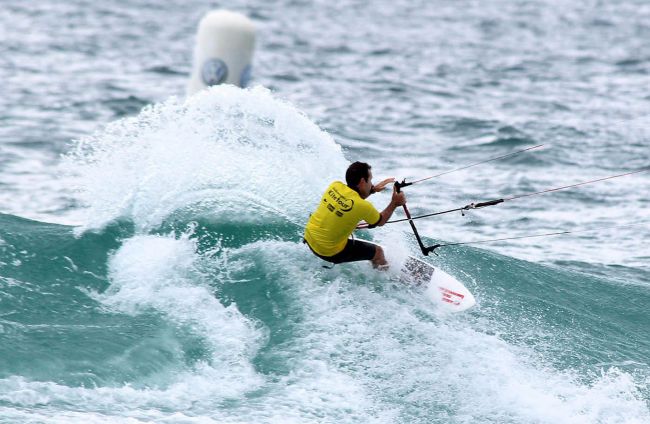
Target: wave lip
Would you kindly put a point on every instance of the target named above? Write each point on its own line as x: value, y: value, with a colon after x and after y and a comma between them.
x: 177, y: 154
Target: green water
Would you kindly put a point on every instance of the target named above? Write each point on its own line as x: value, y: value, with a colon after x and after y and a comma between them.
x: 367, y: 348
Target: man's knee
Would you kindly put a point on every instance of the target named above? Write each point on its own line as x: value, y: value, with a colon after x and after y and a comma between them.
x: 379, y: 256
x: 379, y: 261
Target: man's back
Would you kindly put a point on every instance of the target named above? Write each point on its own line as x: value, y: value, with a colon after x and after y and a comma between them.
x: 337, y: 215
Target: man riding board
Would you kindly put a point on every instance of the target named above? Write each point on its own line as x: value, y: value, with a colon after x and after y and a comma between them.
x: 341, y: 209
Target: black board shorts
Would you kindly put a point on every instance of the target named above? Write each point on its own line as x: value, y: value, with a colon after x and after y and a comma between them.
x: 354, y: 250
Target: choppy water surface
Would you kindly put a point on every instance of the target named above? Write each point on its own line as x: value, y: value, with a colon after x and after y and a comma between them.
x: 151, y: 268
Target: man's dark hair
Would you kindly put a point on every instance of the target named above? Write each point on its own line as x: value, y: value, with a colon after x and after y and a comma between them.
x: 355, y: 173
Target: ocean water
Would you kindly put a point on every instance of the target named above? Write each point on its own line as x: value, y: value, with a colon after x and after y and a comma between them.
x: 151, y: 264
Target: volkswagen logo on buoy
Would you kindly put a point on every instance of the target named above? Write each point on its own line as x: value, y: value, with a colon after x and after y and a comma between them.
x: 214, y: 71
x: 245, y: 76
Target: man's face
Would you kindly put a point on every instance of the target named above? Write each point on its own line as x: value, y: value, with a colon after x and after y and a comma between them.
x: 365, y: 186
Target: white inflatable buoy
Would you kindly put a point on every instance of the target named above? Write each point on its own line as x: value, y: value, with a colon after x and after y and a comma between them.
x: 224, y: 51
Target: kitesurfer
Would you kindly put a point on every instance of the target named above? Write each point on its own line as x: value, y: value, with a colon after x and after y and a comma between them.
x: 341, y: 208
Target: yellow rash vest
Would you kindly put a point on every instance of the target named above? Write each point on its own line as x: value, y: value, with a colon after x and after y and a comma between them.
x: 336, y: 217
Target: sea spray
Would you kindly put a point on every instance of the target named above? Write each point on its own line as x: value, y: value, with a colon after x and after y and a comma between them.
x: 225, y: 151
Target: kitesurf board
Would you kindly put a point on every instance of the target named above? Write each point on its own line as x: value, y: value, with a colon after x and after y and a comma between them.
x: 438, y: 286
x: 435, y: 284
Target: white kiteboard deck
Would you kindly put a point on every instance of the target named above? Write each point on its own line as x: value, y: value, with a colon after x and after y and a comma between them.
x: 435, y: 284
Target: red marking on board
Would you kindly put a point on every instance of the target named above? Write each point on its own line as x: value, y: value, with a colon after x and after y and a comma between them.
x: 450, y: 296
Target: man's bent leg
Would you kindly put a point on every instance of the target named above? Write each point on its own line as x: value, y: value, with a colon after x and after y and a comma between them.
x: 355, y: 250
x: 379, y: 260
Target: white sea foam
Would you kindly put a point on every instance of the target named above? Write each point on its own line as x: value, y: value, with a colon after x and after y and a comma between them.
x: 233, y: 152
x: 361, y: 349
x: 407, y: 361
x: 159, y: 274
